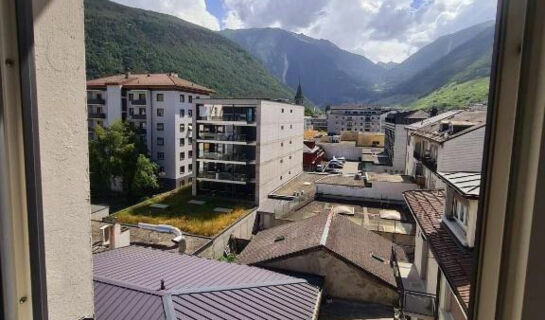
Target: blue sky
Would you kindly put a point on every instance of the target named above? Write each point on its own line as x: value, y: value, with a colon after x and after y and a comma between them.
x: 381, y: 30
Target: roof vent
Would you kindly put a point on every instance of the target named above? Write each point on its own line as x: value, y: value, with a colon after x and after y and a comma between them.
x: 378, y: 258
x: 279, y: 238
x: 162, y: 285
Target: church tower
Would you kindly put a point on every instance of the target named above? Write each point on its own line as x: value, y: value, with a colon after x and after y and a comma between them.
x: 299, y: 99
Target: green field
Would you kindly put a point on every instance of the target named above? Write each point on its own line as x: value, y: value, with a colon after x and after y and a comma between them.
x: 455, y: 95
x: 191, y: 218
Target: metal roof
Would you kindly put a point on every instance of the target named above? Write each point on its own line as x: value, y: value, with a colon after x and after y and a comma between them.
x: 425, y: 122
x: 128, y: 286
x: 468, y: 183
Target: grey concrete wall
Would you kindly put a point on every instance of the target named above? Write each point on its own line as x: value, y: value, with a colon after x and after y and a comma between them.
x: 342, y: 280
x: 349, y: 151
x: 280, y: 145
x: 241, y: 229
x: 379, y: 191
x: 59, y: 54
x: 463, y: 153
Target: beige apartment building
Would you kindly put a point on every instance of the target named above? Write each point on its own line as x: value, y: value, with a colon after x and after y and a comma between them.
x: 160, y: 106
x: 354, y: 118
x: 246, y: 148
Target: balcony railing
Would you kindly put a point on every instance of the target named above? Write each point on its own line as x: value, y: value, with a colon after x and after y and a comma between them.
x: 96, y: 115
x: 241, y: 157
x: 139, y: 102
x: 228, y: 117
x: 138, y: 116
x: 226, y: 176
x: 141, y: 131
x: 225, y: 137
x: 430, y: 162
x: 95, y: 100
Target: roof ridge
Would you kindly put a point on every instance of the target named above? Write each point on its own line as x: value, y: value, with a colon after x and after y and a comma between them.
x: 325, y: 233
x: 126, y: 285
x: 178, y: 292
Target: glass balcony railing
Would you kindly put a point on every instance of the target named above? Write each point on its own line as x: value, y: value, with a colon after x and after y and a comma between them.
x: 225, y: 176
x: 225, y: 137
x: 96, y: 115
x: 138, y: 116
x: 241, y: 157
x: 228, y: 117
x: 139, y: 102
x: 96, y: 100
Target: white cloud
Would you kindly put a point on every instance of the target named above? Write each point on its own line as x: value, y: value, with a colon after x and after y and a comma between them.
x: 193, y: 11
x: 382, y: 30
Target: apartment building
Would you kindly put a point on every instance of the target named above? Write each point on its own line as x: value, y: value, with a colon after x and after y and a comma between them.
x: 446, y: 143
x: 445, y: 237
x: 395, y: 142
x: 319, y: 123
x: 246, y: 147
x: 161, y: 108
x: 354, y: 118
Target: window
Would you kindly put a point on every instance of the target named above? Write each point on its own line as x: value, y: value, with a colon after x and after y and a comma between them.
x: 290, y: 141
x: 160, y: 126
x: 182, y: 113
x: 131, y: 111
x: 281, y: 144
x: 141, y: 96
x: 182, y: 127
x: 189, y: 167
x: 182, y: 156
x: 159, y: 97
x: 160, y: 141
x: 282, y: 110
x: 182, y: 142
x: 290, y: 157
x: 142, y: 111
x: 131, y: 96
x: 182, y: 98
x: 460, y: 212
x: 291, y: 110
x: 291, y: 126
x: 280, y: 177
x: 190, y: 153
x: 160, y: 155
x: 182, y: 169
x: 160, y: 112
x: 281, y: 161
x: 190, y: 99
x: 190, y: 140
x: 190, y: 113
x: 281, y: 127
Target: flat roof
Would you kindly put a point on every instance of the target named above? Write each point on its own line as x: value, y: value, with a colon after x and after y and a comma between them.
x: 304, y: 182
x: 387, y: 177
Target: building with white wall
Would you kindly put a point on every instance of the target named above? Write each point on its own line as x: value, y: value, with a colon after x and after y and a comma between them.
x: 446, y: 224
x: 354, y: 118
x: 246, y: 148
x: 161, y: 108
x: 395, y: 142
x: 452, y: 143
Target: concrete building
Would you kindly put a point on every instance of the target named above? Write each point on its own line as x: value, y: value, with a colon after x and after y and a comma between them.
x: 354, y: 118
x: 246, y: 147
x: 395, y: 142
x: 453, y: 143
x: 446, y: 225
x: 319, y: 123
x: 161, y: 108
x: 308, y: 123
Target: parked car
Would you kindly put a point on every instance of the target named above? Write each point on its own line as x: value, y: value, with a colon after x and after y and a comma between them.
x: 339, y: 159
x: 335, y: 164
x: 319, y: 168
x: 333, y: 170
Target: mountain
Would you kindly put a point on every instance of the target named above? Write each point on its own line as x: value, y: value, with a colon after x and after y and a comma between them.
x: 119, y: 37
x: 328, y: 73
x: 454, y: 95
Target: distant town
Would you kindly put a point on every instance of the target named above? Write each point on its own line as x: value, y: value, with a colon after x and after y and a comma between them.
x: 247, y: 208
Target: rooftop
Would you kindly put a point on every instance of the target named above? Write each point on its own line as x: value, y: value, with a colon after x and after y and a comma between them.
x: 143, y: 283
x: 148, y: 81
x: 353, y: 180
x: 467, y: 183
x: 455, y: 261
x: 469, y: 120
x: 428, y: 121
x: 303, y: 183
x: 332, y: 232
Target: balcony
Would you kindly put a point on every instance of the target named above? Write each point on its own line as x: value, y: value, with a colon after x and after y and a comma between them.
x: 141, y: 131
x: 235, y: 157
x: 230, y: 117
x: 234, y: 137
x: 139, y: 102
x: 96, y: 100
x: 430, y: 162
x: 225, y: 177
x: 138, y: 116
x: 96, y: 115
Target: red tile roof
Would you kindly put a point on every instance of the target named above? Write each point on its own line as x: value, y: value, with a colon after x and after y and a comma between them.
x: 454, y: 260
x: 155, y: 81
x: 334, y: 232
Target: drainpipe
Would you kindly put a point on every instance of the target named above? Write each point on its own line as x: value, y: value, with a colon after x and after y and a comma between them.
x: 178, y: 239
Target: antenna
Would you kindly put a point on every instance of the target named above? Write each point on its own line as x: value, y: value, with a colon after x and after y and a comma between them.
x: 162, y: 285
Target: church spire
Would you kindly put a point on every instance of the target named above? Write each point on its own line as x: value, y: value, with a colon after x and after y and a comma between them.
x: 299, y: 99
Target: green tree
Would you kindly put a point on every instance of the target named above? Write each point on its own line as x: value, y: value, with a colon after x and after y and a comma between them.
x: 116, y: 152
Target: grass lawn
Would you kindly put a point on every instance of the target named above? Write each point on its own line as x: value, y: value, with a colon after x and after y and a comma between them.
x: 188, y: 217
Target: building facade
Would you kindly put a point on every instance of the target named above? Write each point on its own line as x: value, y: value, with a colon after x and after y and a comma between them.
x: 319, y: 123
x: 453, y: 143
x: 160, y: 106
x: 246, y: 147
x: 354, y: 118
x: 395, y: 142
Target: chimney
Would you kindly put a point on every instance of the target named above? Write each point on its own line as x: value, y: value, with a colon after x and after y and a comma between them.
x: 182, y: 246
x: 173, y: 74
x: 127, y: 74
x: 118, y: 237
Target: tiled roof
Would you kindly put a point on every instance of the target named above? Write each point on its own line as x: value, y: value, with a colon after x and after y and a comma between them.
x: 148, y: 81
x: 333, y: 232
x: 128, y: 286
x: 468, y: 183
x: 455, y: 261
x: 472, y: 119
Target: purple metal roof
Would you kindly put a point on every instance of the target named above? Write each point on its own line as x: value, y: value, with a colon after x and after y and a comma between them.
x: 128, y: 280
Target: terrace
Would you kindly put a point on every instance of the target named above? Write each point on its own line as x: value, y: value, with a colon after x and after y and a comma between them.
x: 195, y: 215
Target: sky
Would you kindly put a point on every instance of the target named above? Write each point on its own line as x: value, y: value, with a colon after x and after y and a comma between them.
x: 381, y: 30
